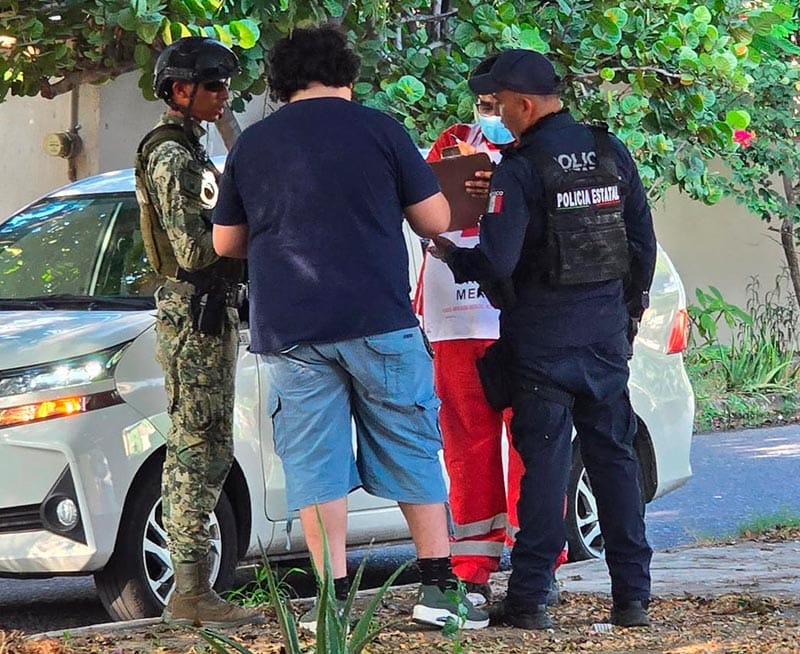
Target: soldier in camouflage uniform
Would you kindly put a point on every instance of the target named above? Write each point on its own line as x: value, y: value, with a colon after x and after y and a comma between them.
x: 197, y: 326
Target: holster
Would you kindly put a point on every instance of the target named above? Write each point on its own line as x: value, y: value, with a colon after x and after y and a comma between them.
x: 494, y: 373
x: 208, y: 310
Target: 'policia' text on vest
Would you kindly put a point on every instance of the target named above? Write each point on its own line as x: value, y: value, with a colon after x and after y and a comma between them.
x: 585, y: 197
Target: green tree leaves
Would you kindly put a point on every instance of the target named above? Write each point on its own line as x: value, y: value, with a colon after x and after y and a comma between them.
x: 680, y: 84
x: 737, y: 119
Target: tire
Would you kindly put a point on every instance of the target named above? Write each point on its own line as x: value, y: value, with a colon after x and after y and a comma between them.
x: 137, y: 580
x: 583, y: 526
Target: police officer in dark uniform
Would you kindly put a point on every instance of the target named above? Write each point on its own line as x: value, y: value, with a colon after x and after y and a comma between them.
x: 567, y: 252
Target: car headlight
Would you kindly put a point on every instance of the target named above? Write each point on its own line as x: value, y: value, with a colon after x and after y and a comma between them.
x: 67, y: 374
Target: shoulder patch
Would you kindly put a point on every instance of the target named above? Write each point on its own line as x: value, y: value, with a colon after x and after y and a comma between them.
x: 495, y: 203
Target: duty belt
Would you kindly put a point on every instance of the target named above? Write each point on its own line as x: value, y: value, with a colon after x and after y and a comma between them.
x: 234, y: 296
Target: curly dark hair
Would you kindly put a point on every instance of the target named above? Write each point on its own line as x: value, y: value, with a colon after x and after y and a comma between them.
x: 310, y: 55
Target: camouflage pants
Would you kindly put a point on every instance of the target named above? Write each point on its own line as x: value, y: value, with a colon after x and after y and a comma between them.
x: 199, y: 379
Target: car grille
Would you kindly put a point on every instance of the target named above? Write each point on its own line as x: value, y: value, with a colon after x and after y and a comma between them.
x: 20, y: 518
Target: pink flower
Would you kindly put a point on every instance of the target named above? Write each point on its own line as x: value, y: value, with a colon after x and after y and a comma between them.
x: 743, y: 137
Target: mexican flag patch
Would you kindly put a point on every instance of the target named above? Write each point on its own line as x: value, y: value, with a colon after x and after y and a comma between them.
x: 495, y: 204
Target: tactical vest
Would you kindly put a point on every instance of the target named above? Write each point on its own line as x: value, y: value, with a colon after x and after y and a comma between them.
x: 585, y: 238
x: 156, y: 242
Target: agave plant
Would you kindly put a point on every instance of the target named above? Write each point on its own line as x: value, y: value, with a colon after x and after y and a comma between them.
x: 339, y: 631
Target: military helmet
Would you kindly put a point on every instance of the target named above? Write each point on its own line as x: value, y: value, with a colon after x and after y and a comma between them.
x: 193, y: 59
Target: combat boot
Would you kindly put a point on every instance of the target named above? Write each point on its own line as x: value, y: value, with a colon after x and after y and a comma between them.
x: 194, y: 602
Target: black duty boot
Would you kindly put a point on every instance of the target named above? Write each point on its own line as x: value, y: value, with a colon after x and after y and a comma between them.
x: 532, y: 617
x: 630, y: 614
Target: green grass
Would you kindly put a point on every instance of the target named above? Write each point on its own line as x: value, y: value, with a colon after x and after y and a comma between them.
x: 340, y: 630
x: 753, y: 377
x: 760, y: 524
x: 756, y: 525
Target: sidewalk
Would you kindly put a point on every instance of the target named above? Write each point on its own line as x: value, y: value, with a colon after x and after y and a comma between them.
x: 749, y: 567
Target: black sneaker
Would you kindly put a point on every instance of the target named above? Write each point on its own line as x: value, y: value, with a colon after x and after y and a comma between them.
x: 630, y: 614
x: 478, y: 594
x: 535, y: 617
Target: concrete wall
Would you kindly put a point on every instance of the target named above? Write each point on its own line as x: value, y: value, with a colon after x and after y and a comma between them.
x: 112, y: 117
x: 25, y: 170
x: 720, y: 246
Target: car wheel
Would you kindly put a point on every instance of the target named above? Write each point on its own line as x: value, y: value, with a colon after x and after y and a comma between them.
x: 583, y: 526
x: 137, y: 581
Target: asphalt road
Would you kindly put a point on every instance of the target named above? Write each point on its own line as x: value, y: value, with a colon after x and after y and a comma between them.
x: 738, y: 476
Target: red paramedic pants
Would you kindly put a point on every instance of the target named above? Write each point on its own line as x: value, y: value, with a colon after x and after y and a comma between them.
x: 483, y: 504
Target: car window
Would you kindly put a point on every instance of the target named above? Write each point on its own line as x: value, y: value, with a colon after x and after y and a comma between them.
x: 83, y: 246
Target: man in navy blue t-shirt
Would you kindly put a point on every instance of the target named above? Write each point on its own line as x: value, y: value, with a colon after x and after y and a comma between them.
x: 315, y: 196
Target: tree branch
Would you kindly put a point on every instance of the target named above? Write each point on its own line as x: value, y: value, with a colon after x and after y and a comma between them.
x: 788, y: 238
x: 75, y: 79
x: 337, y: 22
x: 621, y: 69
x: 429, y: 18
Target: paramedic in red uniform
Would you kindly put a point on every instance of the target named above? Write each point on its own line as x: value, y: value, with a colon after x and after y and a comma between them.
x: 461, y: 324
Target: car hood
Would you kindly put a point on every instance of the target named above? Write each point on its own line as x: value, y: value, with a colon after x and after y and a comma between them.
x: 29, y: 338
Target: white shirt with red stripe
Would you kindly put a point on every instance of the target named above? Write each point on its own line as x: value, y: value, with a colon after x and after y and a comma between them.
x: 453, y: 311
x: 450, y: 311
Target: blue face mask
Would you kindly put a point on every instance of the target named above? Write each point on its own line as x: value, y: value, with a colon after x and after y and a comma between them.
x: 494, y: 130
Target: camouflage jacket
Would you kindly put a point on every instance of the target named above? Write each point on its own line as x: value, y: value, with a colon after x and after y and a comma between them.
x: 183, y: 193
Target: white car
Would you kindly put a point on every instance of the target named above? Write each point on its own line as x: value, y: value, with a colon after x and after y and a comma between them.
x: 82, y: 412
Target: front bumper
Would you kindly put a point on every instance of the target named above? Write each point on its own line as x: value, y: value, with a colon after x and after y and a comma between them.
x: 93, y: 457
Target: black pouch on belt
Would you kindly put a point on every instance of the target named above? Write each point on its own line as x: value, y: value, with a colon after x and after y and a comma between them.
x: 494, y: 374
x: 208, y: 311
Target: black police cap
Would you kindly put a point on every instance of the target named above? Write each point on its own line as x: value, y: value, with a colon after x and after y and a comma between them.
x: 523, y: 71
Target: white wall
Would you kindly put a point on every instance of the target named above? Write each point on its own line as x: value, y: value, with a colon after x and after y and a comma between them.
x: 720, y: 246
x: 112, y: 117
x: 25, y: 170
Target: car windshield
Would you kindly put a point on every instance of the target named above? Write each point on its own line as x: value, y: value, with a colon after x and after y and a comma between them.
x: 77, y: 252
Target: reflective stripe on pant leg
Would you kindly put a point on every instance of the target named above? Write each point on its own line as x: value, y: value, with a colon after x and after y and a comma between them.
x: 476, y: 548
x: 471, y: 432
x: 479, y: 527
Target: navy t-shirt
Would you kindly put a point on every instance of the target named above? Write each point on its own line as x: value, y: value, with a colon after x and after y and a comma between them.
x: 321, y: 185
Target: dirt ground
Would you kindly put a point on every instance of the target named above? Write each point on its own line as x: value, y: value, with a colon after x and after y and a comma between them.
x: 730, y: 623
x: 687, y: 625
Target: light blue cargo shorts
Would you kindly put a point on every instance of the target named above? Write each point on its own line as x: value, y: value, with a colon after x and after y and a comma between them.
x: 382, y: 384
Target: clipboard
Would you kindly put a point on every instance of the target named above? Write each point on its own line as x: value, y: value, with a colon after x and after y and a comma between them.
x: 452, y: 172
